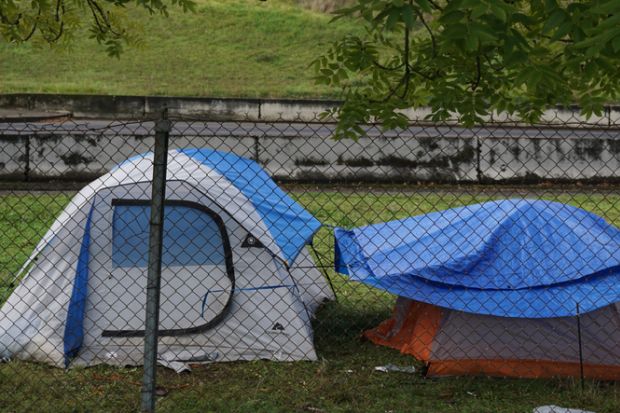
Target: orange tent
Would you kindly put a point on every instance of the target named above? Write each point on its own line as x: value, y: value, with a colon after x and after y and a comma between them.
x: 457, y: 343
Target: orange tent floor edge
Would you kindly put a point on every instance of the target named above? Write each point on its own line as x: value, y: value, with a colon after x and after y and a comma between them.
x: 521, y: 368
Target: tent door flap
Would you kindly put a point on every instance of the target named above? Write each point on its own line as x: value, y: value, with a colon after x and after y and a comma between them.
x: 197, y: 278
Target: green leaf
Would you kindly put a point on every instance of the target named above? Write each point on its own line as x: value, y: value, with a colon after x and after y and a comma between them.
x: 393, y: 18
x: 523, y: 19
x: 556, y: 18
x: 452, y: 17
x: 615, y: 44
x: 408, y: 16
x: 484, y: 34
x: 499, y: 12
x: 471, y: 42
x: 424, y: 5
x: 479, y: 10
x: 563, y: 30
x: 606, y: 7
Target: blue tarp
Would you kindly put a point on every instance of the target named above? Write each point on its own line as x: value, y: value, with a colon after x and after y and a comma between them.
x: 512, y: 258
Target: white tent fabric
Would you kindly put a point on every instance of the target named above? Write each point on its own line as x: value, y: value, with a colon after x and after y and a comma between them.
x: 244, y: 287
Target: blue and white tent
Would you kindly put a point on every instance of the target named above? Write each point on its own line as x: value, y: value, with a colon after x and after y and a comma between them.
x: 237, y: 281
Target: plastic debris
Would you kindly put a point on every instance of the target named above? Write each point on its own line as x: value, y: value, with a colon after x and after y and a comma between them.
x: 392, y: 367
x: 558, y: 409
x: 177, y: 366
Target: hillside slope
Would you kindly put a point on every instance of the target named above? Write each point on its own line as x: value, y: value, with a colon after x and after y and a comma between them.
x: 228, y: 48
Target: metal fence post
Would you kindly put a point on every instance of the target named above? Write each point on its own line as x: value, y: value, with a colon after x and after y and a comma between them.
x: 160, y: 158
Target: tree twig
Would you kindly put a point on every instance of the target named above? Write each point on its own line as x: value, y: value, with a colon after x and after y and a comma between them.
x: 430, y: 32
x: 435, y: 5
x: 476, y: 83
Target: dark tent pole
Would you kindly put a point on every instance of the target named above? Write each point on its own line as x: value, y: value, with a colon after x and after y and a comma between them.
x: 324, y: 271
x: 580, y: 347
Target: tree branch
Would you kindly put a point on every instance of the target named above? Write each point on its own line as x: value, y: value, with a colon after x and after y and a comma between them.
x: 104, y: 25
x: 435, y: 5
x: 58, y: 9
x: 6, y: 20
x: 60, y: 6
x: 387, y: 68
x: 476, y: 83
x: 497, y: 68
x: 565, y: 41
x: 391, y: 93
x: 428, y: 29
x: 407, y: 74
x: 34, y: 26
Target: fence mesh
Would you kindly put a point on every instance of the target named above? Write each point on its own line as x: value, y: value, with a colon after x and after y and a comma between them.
x: 491, y: 251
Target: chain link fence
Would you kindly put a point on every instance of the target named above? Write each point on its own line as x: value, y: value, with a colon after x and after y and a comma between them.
x: 491, y: 251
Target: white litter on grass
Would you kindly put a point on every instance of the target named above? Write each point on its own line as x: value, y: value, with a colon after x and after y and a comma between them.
x: 177, y: 366
x: 392, y: 367
x: 558, y: 409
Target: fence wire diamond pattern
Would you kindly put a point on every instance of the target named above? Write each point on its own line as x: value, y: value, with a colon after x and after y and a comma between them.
x: 491, y: 251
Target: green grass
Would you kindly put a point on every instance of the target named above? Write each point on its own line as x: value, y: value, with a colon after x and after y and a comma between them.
x: 24, y: 219
x: 228, y: 48
x: 343, y: 380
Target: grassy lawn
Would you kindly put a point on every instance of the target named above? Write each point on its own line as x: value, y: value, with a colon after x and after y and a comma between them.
x: 228, y: 48
x: 343, y: 380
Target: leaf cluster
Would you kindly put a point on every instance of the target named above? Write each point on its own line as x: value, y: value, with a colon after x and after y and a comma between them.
x: 54, y: 21
x: 473, y: 58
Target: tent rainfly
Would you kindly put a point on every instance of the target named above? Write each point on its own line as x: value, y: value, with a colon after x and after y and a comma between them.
x: 502, y: 288
x: 237, y: 280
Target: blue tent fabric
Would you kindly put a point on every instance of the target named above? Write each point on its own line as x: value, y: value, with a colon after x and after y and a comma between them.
x: 511, y: 258
x: 290, y: 225
x: 74, y: 328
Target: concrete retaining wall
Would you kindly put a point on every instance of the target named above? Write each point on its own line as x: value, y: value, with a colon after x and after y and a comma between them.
x: 426, y: 154
x: 140, y: 107
x: 565, y: 148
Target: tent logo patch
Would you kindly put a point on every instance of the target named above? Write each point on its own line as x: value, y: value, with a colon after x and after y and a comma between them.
x: 277, y: 328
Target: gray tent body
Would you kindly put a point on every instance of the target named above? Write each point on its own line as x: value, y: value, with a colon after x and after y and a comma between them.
x: 247, y: 304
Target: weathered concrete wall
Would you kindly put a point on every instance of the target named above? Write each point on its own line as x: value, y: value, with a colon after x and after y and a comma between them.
x: 567, y: 147
x: 140, y: 107
x: 13, y: 157
x: 575, y: 158
x: 427, y: 154
x: 408, y: 159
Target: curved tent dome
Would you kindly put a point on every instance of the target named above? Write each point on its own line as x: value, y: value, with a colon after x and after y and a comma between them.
x: 237, y: 184
x: 511, y: 258
x: 237, y: 280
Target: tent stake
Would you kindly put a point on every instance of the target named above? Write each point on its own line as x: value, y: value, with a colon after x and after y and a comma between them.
x: 580, y: 347
x: 158, y: 195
